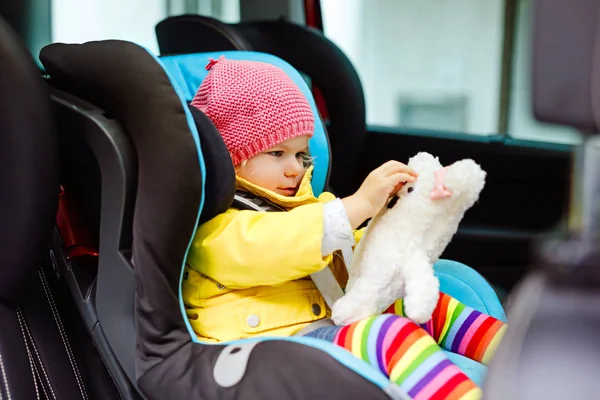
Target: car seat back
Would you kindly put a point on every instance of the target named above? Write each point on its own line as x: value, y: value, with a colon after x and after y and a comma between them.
x: 29, y: 173
x: 40, y: 351
x: 551, y: 347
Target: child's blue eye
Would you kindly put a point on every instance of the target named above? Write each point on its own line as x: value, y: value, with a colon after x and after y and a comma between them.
x: 277, y: 153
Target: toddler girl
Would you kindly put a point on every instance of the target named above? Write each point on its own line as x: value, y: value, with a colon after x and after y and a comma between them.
x: 247, y: 273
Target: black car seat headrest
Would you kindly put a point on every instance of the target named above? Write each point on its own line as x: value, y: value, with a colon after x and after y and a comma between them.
x: 219, y: 182
x: 176, y: 35
x: 566, y: 63
x: 28, y: 166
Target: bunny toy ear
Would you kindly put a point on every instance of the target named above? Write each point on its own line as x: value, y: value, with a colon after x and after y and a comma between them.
x: 439, y: 190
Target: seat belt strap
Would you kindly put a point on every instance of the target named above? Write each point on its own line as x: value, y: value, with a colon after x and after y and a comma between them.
x: 324, y: 279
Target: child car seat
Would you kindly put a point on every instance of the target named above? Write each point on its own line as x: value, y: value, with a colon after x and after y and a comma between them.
x: 135, y: 112
x: 456, y: 279
x: 38, y: 354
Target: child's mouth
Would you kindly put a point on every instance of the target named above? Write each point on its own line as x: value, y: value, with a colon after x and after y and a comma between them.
x: 288, y: 191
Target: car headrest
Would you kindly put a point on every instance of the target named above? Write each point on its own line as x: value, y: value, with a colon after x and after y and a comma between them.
x: 566, y: 63
x: 219, y: 183
x: 188, y: 72
x: 28, y: 166
x: 176, y: 35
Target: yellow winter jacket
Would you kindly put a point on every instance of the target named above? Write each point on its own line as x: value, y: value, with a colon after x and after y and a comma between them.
x: 247, y: 271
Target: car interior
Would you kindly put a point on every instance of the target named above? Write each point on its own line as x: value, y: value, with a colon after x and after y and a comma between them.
x: 108, y: 170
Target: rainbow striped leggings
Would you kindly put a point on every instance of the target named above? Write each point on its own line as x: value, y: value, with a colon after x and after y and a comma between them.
x: 411, y: 355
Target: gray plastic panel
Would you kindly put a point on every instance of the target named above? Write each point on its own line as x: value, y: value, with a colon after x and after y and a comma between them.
x: 110, y: 314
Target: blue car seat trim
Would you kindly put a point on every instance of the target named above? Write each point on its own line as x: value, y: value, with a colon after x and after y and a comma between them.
x: 469, y: 287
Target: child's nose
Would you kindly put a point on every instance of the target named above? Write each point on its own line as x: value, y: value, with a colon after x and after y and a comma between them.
x: 293, y: 167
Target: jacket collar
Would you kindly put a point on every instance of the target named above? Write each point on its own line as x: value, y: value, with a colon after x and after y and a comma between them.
x: 303, y: 196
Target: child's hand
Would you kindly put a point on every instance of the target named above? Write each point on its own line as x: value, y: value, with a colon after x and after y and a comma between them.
x: 375, y: 191
x: 384, y: 182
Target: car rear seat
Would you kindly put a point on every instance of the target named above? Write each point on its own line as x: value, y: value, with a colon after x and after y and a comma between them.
x: 41, y: 354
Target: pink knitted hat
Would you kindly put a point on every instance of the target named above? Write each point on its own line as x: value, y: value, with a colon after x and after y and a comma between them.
x: 254, y: 105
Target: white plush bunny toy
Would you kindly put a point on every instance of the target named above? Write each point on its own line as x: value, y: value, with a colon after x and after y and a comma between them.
x: 395, y: 257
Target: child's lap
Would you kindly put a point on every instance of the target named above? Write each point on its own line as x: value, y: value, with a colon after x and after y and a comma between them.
x: 371, y: 327
x: 385, y: 324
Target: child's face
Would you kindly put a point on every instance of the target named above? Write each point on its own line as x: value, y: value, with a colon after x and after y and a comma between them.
x: 278, y: 169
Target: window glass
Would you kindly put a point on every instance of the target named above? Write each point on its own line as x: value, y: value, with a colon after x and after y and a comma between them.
x: 223, y: 10
x: 433, y: 64
x: 78, y: 21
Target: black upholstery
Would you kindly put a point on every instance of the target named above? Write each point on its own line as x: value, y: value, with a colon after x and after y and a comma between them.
x: 178, y: 34
x: 219, y: 185
x: 28, y: 154
x: 311, y: 53
x: 115, y: 75
x: 40, y: 355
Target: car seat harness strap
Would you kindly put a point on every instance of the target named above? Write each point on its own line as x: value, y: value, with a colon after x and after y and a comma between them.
x: 324, y: 280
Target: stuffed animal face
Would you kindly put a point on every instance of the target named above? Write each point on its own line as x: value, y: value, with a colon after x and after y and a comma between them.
x: 458, y: 183
x: 439, y: 197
